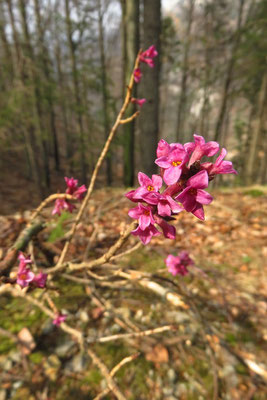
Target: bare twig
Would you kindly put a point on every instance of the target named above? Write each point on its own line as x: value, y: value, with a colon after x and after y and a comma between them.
x: 118, y: 336
x: 111, y: 384
x: 48, y: 200
x: 98, y: 164
x: 126, y: 120
x: 114, y: 370
x: 99, y: 261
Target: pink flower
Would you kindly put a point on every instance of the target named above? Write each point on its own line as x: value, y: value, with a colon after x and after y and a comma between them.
x: 24, y: 275
x: 148, y: 55
x: 140, y: 102
x: 59, y: 319
x: 220, y: 166
x: 146, y: 234
x: 163, y: 148
x: 168, y: 230
x: 165, y: 203
x: 173, y: 164
x: 40, y: 280
x: 178, y: 265
x: 61, y: 205
x: 151, y: 52
x: 73, y: 189
x: 147, y: 185
x: 193, y: 196
x: 137, y: 75
x: 200, y: 148
x: 143, y: 214
x: 23, y: 261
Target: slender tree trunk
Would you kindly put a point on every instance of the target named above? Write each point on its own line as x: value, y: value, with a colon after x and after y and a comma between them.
x: 8, y: 67
x: 183, y: 93
x: 229, y: 72
x: 76, y: 90
x: 149, y: 118
x: 44, y: 58
x: 104, y: 88
x: 130, y: 50
x: 29, y: 131
x: 253, y: 162
x: 36, y: 91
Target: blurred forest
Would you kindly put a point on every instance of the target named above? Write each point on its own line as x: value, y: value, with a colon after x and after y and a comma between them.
x: 65, y: 65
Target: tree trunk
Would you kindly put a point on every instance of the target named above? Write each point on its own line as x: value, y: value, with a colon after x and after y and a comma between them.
x: 185, y: 66
x: 104, y: 89
x: 29, y: 131
x: 229, y: 72
x: 149, y: 118
x: 44, y: 58
x: 30, y: 58
x: 253, y: 162
x: 76, y: 90
x: 130, y: 50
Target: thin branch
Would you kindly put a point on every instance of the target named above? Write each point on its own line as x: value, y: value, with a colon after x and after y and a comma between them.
x: 99, y: 261
x: 132, y: 117
x: 48, y: 200
x: 98, y: 164
x: 111, y: 384
x: 119, y: 336
x: 114, y: 370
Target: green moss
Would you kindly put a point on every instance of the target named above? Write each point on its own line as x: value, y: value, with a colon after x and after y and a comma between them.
x: 36, y: 357
x: 254, y: 193
x: 6, y: 345
x: 94, y: 377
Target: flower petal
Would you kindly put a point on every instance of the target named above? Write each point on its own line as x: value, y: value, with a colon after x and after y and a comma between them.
x: 203, y: 197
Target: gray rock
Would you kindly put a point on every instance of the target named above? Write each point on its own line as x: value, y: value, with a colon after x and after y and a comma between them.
x: 64, y: 349
x: 171, y: 374
x: 78, y: 363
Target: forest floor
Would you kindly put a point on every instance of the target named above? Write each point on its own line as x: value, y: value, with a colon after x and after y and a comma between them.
x: 217, y: 349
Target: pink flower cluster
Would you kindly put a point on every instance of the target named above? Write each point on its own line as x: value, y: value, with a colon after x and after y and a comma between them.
x: 178, y: 265
x: 59, y: 319
x: 146, y: 57
x: 25, y: 276
x: 185, y: 178
x: 72, y: 189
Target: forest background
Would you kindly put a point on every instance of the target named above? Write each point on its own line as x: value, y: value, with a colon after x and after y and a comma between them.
x: 64, y: 67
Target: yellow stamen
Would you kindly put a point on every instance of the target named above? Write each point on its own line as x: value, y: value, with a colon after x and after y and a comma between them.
x: 176, y: 163
x: 150, y: 188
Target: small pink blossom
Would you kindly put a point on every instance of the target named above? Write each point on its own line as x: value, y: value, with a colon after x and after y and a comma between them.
x: 173, y: 164
x: 139, y: 102
x: 143, y: 214
x: 137, y: 75
x: 24, y: 275
x: 61, y: 205
x: 59, y: 319
x: 168, y: 230
x: 200, y: 148
x: 178, y: 265
x: 193, y: 196
x: 147, y: 185
x: 40, y: 280
x: 146, y: 234
x: 73, y: 189
x: 220, y: 166
x: 148, y: 56
x: 165, y: 203
x: 151, y: 52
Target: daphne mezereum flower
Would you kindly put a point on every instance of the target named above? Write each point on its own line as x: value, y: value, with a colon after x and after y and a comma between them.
x: 193, y: 196
x: 173, y: 164
x: 178, y: 265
